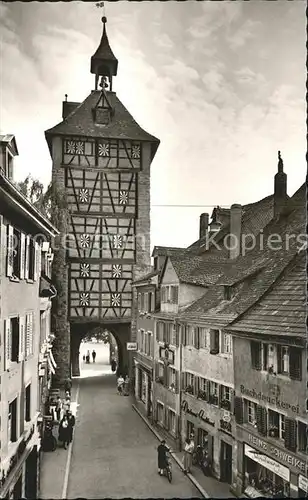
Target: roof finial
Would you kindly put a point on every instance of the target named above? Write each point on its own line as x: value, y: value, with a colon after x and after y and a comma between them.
x: 65, y: 97
x: 280, y: 162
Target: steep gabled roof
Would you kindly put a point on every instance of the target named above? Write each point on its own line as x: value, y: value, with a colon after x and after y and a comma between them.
x: 80, y: 122
x: 196, y: 271
x: 255, y: 216
x: 262, y: 266
x: 283, y: 309
x: 167, y: 251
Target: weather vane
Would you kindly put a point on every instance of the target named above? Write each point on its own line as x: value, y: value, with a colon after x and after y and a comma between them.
x: 101, y: 5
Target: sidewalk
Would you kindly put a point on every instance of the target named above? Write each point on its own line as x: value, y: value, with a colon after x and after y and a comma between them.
x: 209, y: 487
x: 54, y: 463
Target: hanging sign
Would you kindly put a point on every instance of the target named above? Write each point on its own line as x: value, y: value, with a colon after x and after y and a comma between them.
x: 131, y: 346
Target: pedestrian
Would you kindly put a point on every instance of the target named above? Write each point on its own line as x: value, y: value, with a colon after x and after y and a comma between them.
x: 93, y: 355
x: 71, y: 424
x: 88, y: 357
x: 113, y: 365
x: 126, y: 386
x: 68, y: 385
x: 188, y: 451
x: 162, y: 450
x: 120, y: 383
x: 59, y: 408
x: 67, y: 403
x: 84, y: 357
x: 64, y: 432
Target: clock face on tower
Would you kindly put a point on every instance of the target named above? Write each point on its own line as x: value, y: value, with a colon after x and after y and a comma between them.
x: 101, y: 178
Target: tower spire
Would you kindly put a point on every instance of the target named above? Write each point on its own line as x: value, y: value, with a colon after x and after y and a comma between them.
x: 103, y: 62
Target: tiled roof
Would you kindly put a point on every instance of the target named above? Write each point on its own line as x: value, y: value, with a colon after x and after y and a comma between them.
x: 9, y: 139
x: 255, y: 216
x: 104, y: 50
x: 197, y: 271
x: 147, y: 277
x: 81, y: 122
x: 168, y: 251
x: 283, y: 309
x: 262, y: 267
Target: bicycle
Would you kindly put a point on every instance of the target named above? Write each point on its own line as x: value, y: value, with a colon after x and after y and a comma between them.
x: 168, y: 470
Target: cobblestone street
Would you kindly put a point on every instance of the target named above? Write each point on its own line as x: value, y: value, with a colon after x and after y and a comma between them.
x: 114, y: 452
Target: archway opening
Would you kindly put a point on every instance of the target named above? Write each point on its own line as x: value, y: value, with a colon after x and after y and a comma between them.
x: 94, y: 346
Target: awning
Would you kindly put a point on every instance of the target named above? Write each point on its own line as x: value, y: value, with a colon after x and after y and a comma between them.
x: 52, y: 359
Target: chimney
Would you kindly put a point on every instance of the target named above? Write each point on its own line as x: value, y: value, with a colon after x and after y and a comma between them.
x: 235, y: 230
x: 204, y: 224
x: 280, y: 188
x: 68, y: 107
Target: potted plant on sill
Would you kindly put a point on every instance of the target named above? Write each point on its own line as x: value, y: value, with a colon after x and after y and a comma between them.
x: 202, y: 395
x: 273, y: 432
x: 213, y: 399
x: 225, y: 404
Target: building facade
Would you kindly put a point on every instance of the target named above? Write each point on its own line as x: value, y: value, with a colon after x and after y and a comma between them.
x: 148, y: 302
x: 271, y: 389
x: 101, y: 164
x: 22, y: 233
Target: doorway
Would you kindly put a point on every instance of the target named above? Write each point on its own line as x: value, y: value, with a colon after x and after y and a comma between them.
x: 31, y: 474
x: 226, y: 462
x: 17, y: 492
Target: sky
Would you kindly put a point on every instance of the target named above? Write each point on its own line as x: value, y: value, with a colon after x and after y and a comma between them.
x: 221, y: 84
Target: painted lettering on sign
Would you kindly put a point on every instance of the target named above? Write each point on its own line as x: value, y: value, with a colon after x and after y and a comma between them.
x: 269, y: 399
x: 285, y: 457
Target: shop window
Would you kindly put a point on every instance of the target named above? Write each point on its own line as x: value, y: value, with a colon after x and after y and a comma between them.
x: 213, y: 396
x: 214, y: 341
x: 250, y: 410
x: 28, y: 403
x: 143, y: 392
x: 303, y: 437
x: 264, y: 481
x: 160, y: 413
x: 276, y: 424
x: 12, y: 421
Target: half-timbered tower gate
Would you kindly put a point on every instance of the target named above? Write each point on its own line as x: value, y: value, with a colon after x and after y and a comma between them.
x: 101, y: 166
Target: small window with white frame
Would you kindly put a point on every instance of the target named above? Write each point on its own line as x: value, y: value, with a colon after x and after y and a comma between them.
x: 226, y: 343
x: 161, y: 369
x: 250, y: 411
x: 172, y: 378
x: 283, y: 360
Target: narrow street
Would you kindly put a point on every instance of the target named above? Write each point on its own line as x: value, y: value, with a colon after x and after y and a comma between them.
x: 114, y: 453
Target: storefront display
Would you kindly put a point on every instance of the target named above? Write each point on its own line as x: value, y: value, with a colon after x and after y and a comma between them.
x: 302, y: 486
x: 265, y: 476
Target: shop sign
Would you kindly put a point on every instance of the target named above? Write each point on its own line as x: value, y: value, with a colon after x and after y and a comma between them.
x: 225, y: 426
x: 131, y: 346
x: 269, y: 399
x: 226, y: 416
x: 267, y: 462
x: 200, y: 415
x: 284, y: 456
x: 303, y: 483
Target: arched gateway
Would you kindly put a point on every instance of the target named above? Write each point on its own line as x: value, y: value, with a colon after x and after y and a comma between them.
x: 101, y: 167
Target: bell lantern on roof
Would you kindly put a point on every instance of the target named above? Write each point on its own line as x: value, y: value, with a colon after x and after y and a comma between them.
x: 103, y: 62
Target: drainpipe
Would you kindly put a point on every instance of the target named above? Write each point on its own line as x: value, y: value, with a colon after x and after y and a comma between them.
x: 180, y: 388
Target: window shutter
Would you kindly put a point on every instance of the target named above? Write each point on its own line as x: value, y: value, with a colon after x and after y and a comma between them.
x: 232, y: 400
x: 290, y: 439
x: 165, y: 375
x: 208, y: 389
x: 10, y: 249
x: 279, y: 360
x: 183, y: 380
x: 177, y: 382
x: 27, y: 250
x: 255, y: 348
x: 197, y: 337
x: 21, y: 354
x: 157, y: 331
x: 177, y: 335
x: 262, y: 420
x: 184, y: 334
x: 196, y: 386
x: 22, y: 255
x: 295, y: 361
x: 8, y: 343
x: 166, y: 418
x: 28, y: 326
x: 219, y: 395
x: 176, y: 294
x: 238, y: 410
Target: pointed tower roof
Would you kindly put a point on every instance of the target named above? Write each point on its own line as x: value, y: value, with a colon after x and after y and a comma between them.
x: 104, y: 62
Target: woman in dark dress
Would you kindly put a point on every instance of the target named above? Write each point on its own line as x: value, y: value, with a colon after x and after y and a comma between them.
x: 162, y: 450
x: 64, y: 432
